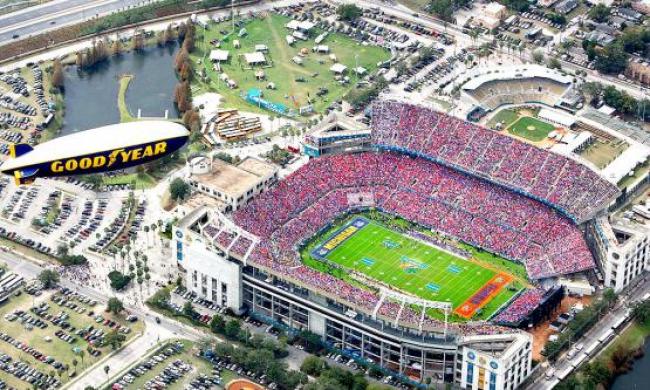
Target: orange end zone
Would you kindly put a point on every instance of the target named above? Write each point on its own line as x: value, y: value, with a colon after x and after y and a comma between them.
x: 483, y: 295
x: 243, y: 384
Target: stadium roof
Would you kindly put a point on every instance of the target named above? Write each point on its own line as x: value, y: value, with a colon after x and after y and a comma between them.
x: 626, y: 162
x: 610, y: 123
x: 482, y: 75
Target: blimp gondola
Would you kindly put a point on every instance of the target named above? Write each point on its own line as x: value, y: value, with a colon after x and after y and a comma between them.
x: 104, y: 149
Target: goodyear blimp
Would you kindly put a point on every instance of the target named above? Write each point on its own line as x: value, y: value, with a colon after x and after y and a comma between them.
x: 104, y: 149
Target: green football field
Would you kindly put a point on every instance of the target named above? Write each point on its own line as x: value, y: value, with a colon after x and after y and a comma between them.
x: 531, y: 128
x: 413, y: 266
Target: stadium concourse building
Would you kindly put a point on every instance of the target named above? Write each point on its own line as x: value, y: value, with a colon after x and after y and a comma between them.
x: 462, y: 183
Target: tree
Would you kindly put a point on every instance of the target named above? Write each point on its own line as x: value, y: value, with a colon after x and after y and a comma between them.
x: 118, y: 280
x: 49, y: 278
x: 178, y: 189
x: 232, y: 328
x: 114, y: 339
x: 217, y: 324
x: 538, y: 56
x: 612, y: 59
x: 349, y: 12
x: 641, y: 312
x: 106, y: 370
x: 599, y: 13
x: 313, y: 366
x: 181, y: 57
x: 554, y: 63
x: 183, y: 96
x: 444, y: 9
x: 115, y: 306
x: 188, y: 310
x: 58, y: 79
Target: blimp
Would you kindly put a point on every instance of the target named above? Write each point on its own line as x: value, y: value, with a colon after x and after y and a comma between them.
x: 104, y: 149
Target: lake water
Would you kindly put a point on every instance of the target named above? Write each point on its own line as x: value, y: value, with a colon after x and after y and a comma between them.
x: 91, y: 95
x: 639, y: 377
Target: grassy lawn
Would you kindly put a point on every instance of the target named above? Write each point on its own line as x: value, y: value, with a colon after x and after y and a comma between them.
x: 142, y: 181
x: 59, y: 349
x: 506, y: 117
x: 601, y: 152
x: 632, y: 338
x: 125, y: 114
x: 271, y: 31
x: 411, y: 265
x: 531, y: 128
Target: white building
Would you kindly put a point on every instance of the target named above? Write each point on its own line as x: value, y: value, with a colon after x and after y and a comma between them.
x: 232, y: 185
x: 486, y: 366
x: 625, y: 250
x: 207, y: 273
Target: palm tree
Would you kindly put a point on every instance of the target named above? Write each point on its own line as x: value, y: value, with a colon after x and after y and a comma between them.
x: 106, y: 370
x: 82, y: 353
x: 146, y: 233
x: 74, y: 363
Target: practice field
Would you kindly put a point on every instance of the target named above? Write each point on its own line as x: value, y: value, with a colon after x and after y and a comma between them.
x: 295, y: 84
x: 416, y: 267
x: 531, y: 128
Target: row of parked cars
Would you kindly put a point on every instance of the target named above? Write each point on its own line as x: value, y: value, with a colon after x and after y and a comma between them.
x: 19, y: 203
x: 219, y: 364
x: 90, y: 220
x: 160, y: 356
x: 114, y: 229
x: 26, y: 373
x: 9, y: 119
x: 31, y: 351
x: 17, y: 83
x: 28, y: 242
x: 438, y: 75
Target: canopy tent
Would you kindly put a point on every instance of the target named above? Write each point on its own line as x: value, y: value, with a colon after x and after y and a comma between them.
x: 338, y: 68
x: 219, y: 55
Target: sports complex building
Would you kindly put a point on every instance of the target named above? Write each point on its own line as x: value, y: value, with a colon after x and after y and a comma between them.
x: 422, y: 254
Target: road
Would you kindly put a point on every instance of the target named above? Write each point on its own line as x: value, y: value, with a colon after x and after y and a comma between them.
x: 626, y: 300
x: 57, y: 13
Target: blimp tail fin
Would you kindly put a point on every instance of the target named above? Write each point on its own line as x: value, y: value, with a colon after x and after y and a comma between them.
x: 17, y: 150
x: 25, y: 176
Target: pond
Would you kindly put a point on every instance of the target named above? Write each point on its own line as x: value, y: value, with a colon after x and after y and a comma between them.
x: 91, y: 95
x: 639, y: 377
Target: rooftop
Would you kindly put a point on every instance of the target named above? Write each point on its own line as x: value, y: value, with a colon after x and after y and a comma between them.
x: 235, y: 179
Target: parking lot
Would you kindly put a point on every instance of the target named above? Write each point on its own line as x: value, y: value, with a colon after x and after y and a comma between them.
x: 43, y: 216
x: 175, y: 365
x: 26, y: 106
x: 43, y: 332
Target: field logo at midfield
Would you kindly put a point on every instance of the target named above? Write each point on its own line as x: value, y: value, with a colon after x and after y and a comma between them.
x: 339, y: 237
x: 411, y: 266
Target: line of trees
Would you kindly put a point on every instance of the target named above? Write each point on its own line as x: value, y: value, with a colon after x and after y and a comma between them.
x: 620, y: 100
x: 580, y: 324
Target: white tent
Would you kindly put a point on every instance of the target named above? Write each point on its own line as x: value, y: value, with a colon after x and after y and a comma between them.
x: 297, y: 60
x: 338, y: 68
x: 262, y: 48
x: 255, y: 58
x: 290, y: 40
x: 218, y: 55
x: 360, y: 70
x: 293, y: 25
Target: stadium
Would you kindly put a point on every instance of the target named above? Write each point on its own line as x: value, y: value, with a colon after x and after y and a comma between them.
x: 411, y: 255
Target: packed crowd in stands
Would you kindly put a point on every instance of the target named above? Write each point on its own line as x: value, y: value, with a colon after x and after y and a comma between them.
x: 461, y: 206
x: 561, y: 182
x: 520, y: 308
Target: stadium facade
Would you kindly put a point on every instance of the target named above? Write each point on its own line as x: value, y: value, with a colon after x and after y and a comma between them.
x: 494, y: 361
x: 447, y: 175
